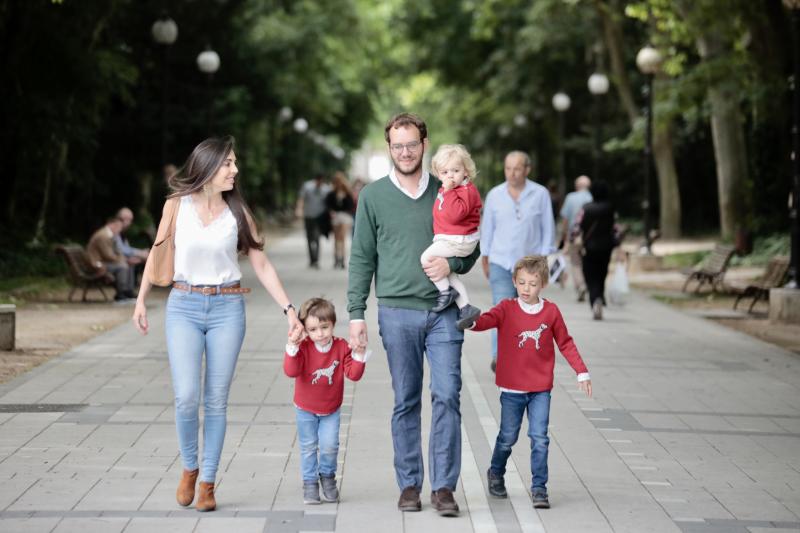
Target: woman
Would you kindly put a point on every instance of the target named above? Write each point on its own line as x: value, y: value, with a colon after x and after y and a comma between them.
x: 340, y: 204
x: 597, y: 230
x: 205, y: 310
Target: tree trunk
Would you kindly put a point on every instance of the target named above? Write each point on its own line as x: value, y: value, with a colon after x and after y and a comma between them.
x: 669, y: 192
x: 729, y: 145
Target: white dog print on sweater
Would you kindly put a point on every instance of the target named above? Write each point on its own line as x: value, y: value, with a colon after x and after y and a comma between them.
x: 324, y: 372
x: 535, y: 334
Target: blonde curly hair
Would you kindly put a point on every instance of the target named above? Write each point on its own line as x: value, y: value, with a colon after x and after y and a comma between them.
x: 453, y: 152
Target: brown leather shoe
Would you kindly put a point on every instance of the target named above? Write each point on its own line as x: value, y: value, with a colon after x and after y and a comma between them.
x: 185, y: 492
x: 205, y: 497
x: 409, y: 500
x: 444, y: 503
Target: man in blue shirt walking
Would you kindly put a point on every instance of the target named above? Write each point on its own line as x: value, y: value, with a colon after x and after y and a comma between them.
x: 517, y: 221
x: 573, y: 204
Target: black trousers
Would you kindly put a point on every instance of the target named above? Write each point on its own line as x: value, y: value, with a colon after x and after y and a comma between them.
x: 595, y: 270
x: 312, y: 236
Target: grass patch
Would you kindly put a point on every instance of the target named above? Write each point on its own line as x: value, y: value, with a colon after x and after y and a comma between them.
x: 684, y: 260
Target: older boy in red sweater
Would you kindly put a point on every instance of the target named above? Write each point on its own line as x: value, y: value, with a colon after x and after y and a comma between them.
x: 527, y: 327
x: 319, y: 363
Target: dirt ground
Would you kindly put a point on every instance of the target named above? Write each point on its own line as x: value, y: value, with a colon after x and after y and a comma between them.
x: 52, y: 326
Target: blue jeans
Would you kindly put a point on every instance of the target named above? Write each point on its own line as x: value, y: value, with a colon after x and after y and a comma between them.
x: 317, y: 434
x: 501, y: 282
x: 213, y: 325
x: 407, y: 335
x: 512, y: 407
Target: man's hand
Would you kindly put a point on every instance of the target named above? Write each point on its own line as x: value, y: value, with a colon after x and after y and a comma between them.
x: 437, y: 268
x: 358, y: 336
x: 485, y: 265
x: 586, y: 386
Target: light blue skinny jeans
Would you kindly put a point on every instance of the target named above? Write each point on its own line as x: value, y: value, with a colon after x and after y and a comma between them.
x: 198, y: 324
x: 501, y: 282
x: 319, y: 444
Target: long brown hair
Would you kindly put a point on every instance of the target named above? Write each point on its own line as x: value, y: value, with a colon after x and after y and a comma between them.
x: 200, y: 167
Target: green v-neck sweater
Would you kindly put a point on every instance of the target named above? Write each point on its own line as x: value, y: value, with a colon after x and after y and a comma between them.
x: 391, y: 232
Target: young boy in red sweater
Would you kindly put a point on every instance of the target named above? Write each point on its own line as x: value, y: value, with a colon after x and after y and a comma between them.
x: 319, y: 362
x: 527, y: 327
x: 456, y: 219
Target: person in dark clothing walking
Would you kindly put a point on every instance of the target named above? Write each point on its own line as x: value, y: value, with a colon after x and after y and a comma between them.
x: 597, y: 230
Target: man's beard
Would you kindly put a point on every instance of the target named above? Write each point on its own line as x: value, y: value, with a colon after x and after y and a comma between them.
x: 413, y: 170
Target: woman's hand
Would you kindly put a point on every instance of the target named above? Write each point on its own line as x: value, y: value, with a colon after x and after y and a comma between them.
x: 296, y: 335
x: 295, y: 326
x: 140, y: 317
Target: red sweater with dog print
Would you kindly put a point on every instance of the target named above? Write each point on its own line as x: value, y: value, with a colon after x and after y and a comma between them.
x: 525, y: 352
x: 319, y: 376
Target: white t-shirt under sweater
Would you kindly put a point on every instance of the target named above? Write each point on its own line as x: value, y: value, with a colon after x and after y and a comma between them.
x: 205, y: 255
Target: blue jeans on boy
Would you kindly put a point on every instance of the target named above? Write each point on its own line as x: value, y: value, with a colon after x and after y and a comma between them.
x: 317, y: 434
x: 512, y: 407
x: 501, y: 282
x: 197, y: 324
x: 407, y: 335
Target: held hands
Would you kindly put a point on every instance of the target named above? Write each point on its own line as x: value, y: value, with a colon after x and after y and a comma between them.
x: 296, y: 329
x: 296, y: 335
x: 358, y: 336
x: 586, y: 386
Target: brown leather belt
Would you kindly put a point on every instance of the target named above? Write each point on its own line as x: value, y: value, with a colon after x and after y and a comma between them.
x: 211, y: 291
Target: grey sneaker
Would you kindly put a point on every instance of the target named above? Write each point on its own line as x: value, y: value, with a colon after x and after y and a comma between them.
x: 311, y: 493
x: 540, y: 500
x: 467, y: 316
x: 330, y: 493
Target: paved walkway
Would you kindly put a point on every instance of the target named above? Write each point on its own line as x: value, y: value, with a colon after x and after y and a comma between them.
x: 693, y: 428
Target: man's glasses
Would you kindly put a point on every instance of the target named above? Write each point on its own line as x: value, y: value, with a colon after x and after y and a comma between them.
x: 412, y: 147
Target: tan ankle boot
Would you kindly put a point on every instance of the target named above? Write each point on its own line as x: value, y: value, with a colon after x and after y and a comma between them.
x: 185, y: 492
x: 205, y: 497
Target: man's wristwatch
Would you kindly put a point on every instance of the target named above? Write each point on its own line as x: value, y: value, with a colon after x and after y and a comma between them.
x: 286, y: 309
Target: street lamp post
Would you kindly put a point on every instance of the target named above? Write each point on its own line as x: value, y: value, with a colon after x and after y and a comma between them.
x: 208, y: 62
x: 794, y: 261
x: 561, y: 103
x: 649, y: 61
x: 598, y: 86
x: 165, y: 33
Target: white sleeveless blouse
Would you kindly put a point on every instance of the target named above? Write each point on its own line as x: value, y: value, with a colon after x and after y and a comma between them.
x: 205, y: 255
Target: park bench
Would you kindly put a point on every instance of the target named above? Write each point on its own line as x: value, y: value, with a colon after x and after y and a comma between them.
x: 82, y: 274
x: 712, y: 269
x: 773, y: 277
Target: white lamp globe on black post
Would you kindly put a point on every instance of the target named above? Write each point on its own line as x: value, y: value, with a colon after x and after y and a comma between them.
x: 208, y: 63
x: 561, y: 103
x: 598, y: 85
x: 165, y: 33
x: 300, y: 125
x: 649, y: 62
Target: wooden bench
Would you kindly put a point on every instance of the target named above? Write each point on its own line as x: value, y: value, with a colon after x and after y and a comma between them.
x: 82, y: 274
x: 712, y: 269
x: 774, y: 276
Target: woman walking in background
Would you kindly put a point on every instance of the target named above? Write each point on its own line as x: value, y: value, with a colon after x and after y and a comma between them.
x: 210, y: 225
x: 341, y: 206
x: 597, y: 230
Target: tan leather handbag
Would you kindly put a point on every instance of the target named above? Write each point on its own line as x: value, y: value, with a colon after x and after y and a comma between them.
x: 160, y: 267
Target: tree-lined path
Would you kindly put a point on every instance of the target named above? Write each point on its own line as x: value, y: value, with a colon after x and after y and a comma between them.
x: 693, y: 428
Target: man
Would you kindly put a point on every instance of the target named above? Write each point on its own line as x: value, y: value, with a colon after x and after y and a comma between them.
x: 517, y: 221
x: 134, y: 256
x: 311, y: 206
x: 394, y: 225
x: 573, y: 204
x: 103, y: 253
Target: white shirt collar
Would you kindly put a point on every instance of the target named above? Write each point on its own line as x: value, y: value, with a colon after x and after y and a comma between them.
x: 324, y: 348
x: 423, y: 184
x: 531, y: 309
